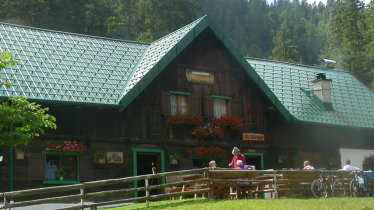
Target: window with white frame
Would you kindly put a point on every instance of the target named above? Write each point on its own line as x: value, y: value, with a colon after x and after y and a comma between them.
x: 179, y: 104
x: 220, y: 107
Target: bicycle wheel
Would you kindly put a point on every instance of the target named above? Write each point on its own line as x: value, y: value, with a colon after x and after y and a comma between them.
x: 318, y: 189
x: 354, y: 188
x: 338, y: 189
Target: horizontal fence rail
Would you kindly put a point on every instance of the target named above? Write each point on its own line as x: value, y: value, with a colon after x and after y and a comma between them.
x: 176, y: 184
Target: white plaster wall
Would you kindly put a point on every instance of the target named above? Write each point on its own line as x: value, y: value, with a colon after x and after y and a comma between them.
x: 356, y: 156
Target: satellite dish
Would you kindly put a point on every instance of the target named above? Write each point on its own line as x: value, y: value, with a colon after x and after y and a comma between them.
x: 329, y: 63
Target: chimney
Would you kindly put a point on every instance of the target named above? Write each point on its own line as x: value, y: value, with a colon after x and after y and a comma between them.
x: 322, y: 89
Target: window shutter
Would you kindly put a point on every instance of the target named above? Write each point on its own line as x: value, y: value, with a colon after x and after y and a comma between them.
x: 165, y: 103
x: 236, y: 108
x: 85, y: 168
x: 195, y: 104
x: 208, y: 107
x: 36, y: 166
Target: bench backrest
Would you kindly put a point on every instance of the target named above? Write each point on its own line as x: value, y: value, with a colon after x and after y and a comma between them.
x: 301, y: 175
x: 232, y: 174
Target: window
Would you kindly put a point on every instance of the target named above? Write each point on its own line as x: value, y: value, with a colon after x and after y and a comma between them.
x: 179, y: 104
x: 61, y: 167
x: 220, y: 107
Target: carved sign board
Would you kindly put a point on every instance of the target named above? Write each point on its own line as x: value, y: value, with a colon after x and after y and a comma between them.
x: 253, y: 137
x: 199, y: 77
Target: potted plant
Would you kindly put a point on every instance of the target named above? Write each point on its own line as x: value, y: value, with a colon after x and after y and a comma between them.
x: 60, y: 174
x: 20, y: 153
x: 99, y: 157
x: 174, y: 159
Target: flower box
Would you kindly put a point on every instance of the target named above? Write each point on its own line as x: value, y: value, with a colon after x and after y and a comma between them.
x: 211, y: 152
x: 65, y: 146
x: 185, y: 119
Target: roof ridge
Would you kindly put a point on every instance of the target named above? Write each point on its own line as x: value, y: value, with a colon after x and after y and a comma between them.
x: 72, y: 33
x: 298, y: 64
x: 180, y: 29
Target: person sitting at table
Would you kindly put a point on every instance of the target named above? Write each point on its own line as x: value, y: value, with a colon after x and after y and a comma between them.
x: 242, y: 190
x: 212, y: 165
x: 349, y: 167
x: 240, y: 165
x: 307, y: 165
x: 218, y: 191
x: 236, y: 156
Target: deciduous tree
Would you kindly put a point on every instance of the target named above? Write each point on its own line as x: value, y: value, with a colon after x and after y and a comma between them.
x: 20, y: 120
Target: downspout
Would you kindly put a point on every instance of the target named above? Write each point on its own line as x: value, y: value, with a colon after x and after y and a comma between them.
x: 11, y: 169
x: 11, y: 163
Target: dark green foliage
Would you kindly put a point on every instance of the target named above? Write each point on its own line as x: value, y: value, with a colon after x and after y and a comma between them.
x: 341, y: 30
x: 284, y: 49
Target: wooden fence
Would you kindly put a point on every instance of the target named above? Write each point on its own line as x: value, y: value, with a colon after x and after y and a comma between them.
x: 205, y: 182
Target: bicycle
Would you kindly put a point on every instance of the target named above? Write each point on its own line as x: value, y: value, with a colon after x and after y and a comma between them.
x: 327, y: 184
x: 360, y: 186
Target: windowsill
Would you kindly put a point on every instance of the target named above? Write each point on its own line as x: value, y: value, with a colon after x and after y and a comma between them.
x: 58, y: 152
x: 58, y: 182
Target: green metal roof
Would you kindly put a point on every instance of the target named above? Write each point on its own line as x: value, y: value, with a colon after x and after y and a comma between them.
x: 352, y: 102
x: 65, y: 67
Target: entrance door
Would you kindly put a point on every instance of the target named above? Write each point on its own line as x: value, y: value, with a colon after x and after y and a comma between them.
x: 147, y: 161
x: 256, y: 159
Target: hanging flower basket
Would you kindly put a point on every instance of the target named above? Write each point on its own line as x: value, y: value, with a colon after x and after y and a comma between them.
x: 211, y: 152
x: 217, y: 128
x: 208, y: 132
x: 228, y: 122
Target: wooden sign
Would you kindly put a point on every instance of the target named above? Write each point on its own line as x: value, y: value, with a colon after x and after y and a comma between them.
x: 253, y: 137
x: 199, y: 77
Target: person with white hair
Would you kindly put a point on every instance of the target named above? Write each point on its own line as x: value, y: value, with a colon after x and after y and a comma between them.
x: 237, y: 156
x: 307, y: 165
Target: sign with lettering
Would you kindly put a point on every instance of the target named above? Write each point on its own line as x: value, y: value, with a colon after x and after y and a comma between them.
x: 253, y: 137
x: 199, y: 77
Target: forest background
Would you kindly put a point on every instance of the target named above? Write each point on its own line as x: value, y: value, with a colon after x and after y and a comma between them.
x: 291, y: 31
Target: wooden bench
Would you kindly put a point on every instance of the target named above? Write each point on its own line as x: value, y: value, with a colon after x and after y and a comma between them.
x: 175, y: 188
x: 296, y: 183
x: 266, y: 184
x: 194, y: 186
x: 226, y: 183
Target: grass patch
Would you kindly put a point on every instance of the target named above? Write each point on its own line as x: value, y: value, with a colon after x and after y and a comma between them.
x: 286, y: 204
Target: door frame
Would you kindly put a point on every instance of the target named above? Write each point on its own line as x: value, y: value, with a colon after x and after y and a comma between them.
x: 135, y: 152
x: 256, y: 154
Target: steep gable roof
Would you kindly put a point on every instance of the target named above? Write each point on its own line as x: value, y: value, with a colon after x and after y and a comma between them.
x: 64, y: 67
x: 353, y: 102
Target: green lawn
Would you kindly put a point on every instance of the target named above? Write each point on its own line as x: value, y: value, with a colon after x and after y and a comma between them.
x: 243, y: 204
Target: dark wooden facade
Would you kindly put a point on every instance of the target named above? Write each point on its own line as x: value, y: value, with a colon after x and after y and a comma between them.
x: 144, y: 123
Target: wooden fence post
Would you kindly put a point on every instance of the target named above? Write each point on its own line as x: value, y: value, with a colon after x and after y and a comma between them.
x: 275, y: 185
x: 147, y: 192
x: 5, y: 201
x: 82, y: 194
